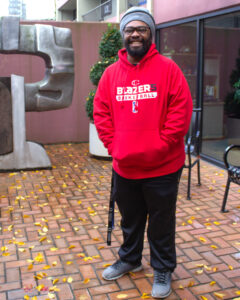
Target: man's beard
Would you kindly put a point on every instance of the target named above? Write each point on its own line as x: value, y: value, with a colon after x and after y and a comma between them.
x: 140, y: 51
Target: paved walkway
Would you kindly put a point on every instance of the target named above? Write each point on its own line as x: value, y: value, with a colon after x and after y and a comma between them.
x: 53, y: 234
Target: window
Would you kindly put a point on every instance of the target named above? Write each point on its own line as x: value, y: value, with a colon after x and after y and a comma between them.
x: 221, y: 113
x: 179, y: 43
x: 207, y: 49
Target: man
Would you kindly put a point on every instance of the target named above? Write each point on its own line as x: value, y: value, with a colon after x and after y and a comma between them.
x: 142, y: 110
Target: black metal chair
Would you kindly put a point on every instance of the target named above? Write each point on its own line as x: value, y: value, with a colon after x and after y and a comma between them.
x: 192, y: 147
x: 233, y: 172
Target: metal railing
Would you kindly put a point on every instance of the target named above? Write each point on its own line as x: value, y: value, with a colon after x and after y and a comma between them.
x: 100, y: 12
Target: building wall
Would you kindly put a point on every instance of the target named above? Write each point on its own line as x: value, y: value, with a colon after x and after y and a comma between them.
x: 69, y: 124
x: 84, y: 6
x: 169, y: 10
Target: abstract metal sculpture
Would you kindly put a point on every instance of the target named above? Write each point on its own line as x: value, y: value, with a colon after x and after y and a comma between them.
x: 54, y: 45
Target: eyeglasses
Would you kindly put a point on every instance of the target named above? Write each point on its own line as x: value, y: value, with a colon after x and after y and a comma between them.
x: 140, y: 29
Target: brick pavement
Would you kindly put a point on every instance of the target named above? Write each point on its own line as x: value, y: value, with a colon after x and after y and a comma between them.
x: 53, y: 234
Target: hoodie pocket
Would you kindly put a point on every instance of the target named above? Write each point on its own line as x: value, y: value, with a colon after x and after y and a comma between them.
x: 139, y: 149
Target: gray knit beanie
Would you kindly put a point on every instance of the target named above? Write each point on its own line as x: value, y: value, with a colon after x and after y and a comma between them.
x: 136, y: 13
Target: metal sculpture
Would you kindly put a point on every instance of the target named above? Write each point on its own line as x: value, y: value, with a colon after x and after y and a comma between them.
x: 54, y: 45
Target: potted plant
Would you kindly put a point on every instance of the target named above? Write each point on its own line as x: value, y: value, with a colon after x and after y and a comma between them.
x: 232, y: 102
x: 110, y: 44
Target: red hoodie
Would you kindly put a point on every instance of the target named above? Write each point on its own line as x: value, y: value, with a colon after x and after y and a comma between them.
x: 142, y: 113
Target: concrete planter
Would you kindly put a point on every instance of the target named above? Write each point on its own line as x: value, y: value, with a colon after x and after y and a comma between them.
x: 96, y: 147
x: 233, y: 125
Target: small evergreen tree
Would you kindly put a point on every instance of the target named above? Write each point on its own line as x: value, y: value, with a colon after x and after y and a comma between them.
x: 232, y: 100
x: 109, y: 46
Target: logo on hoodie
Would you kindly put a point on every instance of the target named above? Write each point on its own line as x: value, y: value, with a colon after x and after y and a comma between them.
x: 135, y: 82
x: 136, y: 92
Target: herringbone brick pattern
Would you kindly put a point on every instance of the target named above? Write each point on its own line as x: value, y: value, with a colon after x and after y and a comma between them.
x: 53, y: 234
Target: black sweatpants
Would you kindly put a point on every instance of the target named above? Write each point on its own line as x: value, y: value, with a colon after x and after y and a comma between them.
x: 156, y: 199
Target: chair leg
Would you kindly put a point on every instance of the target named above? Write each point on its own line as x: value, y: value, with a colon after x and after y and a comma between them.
x: 198, y: 170
x: 189, y: 183
x: 225, y: 197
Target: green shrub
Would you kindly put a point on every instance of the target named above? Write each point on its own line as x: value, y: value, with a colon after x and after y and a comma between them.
x: 98, y: 69
x: 110, y: 44
x: 232, y: 100
x: 89, y: 104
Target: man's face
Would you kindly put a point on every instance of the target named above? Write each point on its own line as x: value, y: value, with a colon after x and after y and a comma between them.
x: 137, y: 42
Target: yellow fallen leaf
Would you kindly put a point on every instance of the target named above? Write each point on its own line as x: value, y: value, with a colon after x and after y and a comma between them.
x: 181, y: 287
x: 204, y: 298
x: 69, y: 262
x: 53, y: 249
x: 199, y: 272
x: 207, y: 268
x: 43, y: 239
x: 212, y: 283
x: 191, y: 283
x: 51, y: 295
x: 39, y: 258
x: 80, y: 255
x: 106, y: 265
x: 237, y: 292
x: 21, y: 250
x: 54, y: 263
x: 96, y: 239
x: 100, y: 247
x: 55, y: 281
x: 26, y: 216
x: 40, y: 287
x: 87, y: 258
x: 10, y: 228
x: 45, y: 229
x: 230, y: 267
x: 63, y: 229
x: 26, y: 297
x: 216, y: 223
x: 145, y: 296
x: 202, y: 239
x: 219, y: 295
x: 69, y: 280
x: 122, y: 296
x: 96, y: 256
x: 46, y: 267
x: 71, y: 247
x: 214, y: 247
x: 34, y: 298
x: 64, y: 279
x: 85, y: 281
x: 149, y: 275
x: 54, y: 289
x: 30, y: 267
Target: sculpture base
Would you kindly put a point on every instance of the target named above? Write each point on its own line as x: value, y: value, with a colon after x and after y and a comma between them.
x: 25, y: 155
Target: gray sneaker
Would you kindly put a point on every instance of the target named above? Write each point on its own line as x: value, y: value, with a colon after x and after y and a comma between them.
x: 161, y: 284
x: 118, y: 269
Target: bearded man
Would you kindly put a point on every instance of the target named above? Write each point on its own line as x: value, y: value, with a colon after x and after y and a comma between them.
x: 142, y: 110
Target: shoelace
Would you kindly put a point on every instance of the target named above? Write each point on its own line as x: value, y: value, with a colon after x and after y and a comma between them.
x: 161, y: 277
